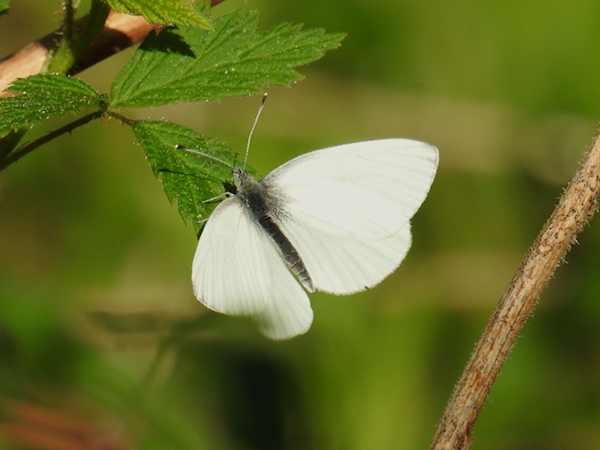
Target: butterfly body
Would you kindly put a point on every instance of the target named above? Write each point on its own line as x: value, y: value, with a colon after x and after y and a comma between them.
x: 264, y: 207
x: 336, y: 219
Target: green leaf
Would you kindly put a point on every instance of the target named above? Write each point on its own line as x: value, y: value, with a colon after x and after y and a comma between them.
x: 40, y: 96
x: 190, y: 64
x: 195, y: 181
x: 162, y: 12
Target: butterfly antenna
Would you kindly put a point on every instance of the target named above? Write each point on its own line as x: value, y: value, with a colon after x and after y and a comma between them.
x: 260, y: 108
x: 204, y: 155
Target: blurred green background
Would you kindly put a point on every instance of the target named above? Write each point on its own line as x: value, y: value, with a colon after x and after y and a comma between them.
x: 98, y: 323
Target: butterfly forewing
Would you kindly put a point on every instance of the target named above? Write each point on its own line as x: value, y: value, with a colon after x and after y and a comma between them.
x: 238, y: 270
x: 372, y: 188
x: 347, y: 209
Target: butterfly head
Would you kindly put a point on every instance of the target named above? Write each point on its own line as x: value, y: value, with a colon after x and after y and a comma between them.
x: 242, y: 180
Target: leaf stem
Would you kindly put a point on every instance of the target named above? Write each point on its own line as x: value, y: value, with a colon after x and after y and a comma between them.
x: 74, y: 36
x: 94, y: 24
x: 575, y: 209
x: 28, y: 148
x: 62, y: 57
x: 122, y: 118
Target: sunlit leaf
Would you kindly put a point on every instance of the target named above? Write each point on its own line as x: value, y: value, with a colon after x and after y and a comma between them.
x: 41, y: 96
x: 190, y: 64
x: 162, y: 12
x: 195, y: 181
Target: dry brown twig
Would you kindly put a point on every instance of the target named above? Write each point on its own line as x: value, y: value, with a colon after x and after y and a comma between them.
x: 120, y: 32
x: 575, y: 209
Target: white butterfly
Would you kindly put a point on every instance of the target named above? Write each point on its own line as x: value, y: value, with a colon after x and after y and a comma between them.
x: 335, y: 220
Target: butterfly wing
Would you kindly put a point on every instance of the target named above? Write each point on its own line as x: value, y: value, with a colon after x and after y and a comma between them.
x: 347, y: 209
x: 238, y: 270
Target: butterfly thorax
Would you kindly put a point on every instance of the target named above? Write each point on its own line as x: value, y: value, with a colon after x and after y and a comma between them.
x: 250, y: 192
